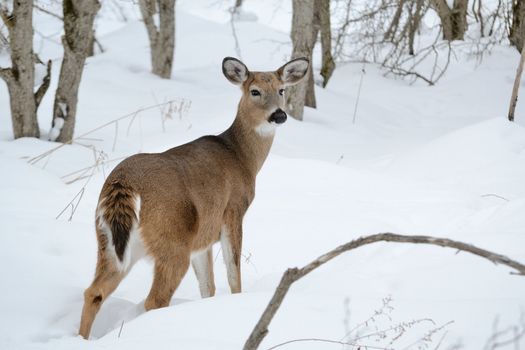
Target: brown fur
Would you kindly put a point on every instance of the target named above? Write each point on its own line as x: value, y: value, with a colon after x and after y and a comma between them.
x: 190, y: 196
x: 118, y: 207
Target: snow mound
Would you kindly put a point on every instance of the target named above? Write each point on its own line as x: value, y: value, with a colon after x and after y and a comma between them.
x: 480, y: 157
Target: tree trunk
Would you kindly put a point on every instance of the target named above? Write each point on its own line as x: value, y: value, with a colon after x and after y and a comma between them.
x: 328, y: 64
x: 414, y: 23
x: 517, y: 28
x: 77, y: 41
x: 394, y: 24
x: 237, y: 6
x: 162, y: 39
x: 20, y: 78
x: 517, y: 80
x: 309, y: 99
x: 303, y: 16
x: 453, y: 20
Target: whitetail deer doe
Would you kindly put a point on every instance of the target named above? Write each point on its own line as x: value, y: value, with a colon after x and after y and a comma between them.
x: 173, y: 206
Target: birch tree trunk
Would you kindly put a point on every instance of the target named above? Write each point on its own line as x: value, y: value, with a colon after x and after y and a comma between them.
x: 20, y: 78
x: 517, y: 28
x: 303, y: 15
x: 161, y: 38
x: 453, y: 20
x: 79, y: 16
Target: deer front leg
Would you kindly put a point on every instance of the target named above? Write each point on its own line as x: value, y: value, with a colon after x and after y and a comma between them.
x: 231, y: 243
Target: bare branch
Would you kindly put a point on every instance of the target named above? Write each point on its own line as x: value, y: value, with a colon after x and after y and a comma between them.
x: 184, y: 105
x: 6, y: 74
x: 403, y: 72
x: 52, y: 14
x: 367, y: 346
x: 3, y: 40
x: 39, y: 94
x: 233, y: 12
x: 293, y: 274
x: 7, y: 17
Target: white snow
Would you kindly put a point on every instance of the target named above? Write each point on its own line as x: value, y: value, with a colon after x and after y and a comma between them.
x: 438, y: 160
x: 58, y: 123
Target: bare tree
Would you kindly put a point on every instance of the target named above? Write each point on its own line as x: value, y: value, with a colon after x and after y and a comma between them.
x: 303, y: 16
x: 20, y: 78
x: 161, y: 38
x: 517, y: 28
x: 453, y: 20
x: 385, y: 32
x: 77, y: 41
x: 320, y: 24
x: 328, y: 64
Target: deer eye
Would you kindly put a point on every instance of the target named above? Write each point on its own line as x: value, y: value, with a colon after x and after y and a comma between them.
x: 255, y: 93
x: 281, y: 92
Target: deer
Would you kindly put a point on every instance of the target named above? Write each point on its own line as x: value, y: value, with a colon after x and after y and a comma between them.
x: 173, y: 206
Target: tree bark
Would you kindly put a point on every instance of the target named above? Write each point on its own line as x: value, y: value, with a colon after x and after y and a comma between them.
x: 517, y: 80
x: 453, y: 20
x: 77, y: 40
x: 302, y: 19
x: 20, y: 78
x: 517, y: 28
x: 394, y: 24
x: 328, y: 64
x: 162, y: 39
x: 309, y: 99
x: 414, y: 23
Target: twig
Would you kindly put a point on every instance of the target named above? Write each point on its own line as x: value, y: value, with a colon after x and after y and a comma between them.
x: 115, y: 137
x: 363, y: 72
x: 52, y: 14
x: 84, y: 170
x: 120, y: 330
x: 99, y: 159
x: 328, y: 341
x: 234, y: 32
x: 495, y: 195
x: 293, y: 274
x: 41, y: 156
x: 427, y: 335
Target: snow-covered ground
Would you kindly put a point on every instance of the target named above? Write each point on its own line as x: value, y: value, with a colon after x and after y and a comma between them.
x: 437, y: 160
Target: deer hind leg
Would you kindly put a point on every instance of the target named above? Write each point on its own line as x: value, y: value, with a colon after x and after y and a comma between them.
x: 231, y: 243
x: 107, y: 278
x: 167, y: 276
x: 202, y: 263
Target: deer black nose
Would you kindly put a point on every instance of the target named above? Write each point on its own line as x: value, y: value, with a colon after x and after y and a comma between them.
x: 277, y: 117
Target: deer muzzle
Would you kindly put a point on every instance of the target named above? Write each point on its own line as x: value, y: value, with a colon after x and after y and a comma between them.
x: 277, y: 117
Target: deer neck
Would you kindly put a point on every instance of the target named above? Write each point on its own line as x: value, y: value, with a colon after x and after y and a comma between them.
x: 250, y: 145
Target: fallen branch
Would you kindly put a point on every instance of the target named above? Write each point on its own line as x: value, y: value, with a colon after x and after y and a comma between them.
x: 294, y: 274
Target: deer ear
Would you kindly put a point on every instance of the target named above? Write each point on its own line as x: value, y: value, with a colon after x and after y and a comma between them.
x: 294, y: 71
x: 234, y: 70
